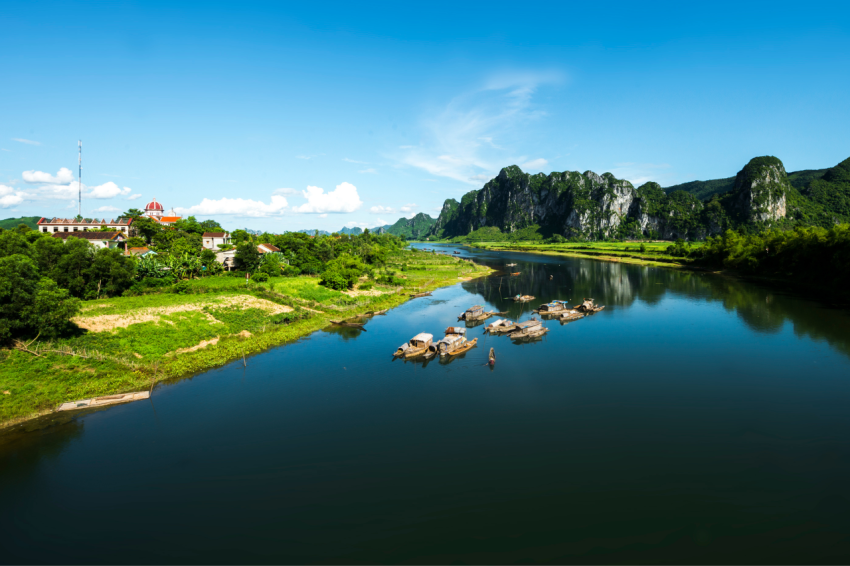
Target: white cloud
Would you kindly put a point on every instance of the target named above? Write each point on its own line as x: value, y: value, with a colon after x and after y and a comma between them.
x: 107, y: 190
x: 63, y: 177
x: 471, y: 137
x: 4, y: 149
x: 28, y: 142
x: 134, y: 197
x: 355, y: 161
x: 10, y: 197
x: 382, y: 210
x: 237, y: 207
x: 408, y: 207
x: 537, y: 164
x: 323, y: 215
x: 369, y: 170
x: 342, y: 199
x: 285, y: 192
x: 107, y: 209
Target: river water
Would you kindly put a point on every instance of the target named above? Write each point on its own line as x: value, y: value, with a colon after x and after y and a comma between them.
x: 695, y: 419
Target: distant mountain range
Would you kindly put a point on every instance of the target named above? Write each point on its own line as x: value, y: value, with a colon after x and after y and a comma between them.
x: 10, y: 223
x: 593, y: 206
x: 409, y: 228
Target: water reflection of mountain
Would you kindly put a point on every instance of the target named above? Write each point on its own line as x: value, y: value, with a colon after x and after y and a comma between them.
x: 762, y: 309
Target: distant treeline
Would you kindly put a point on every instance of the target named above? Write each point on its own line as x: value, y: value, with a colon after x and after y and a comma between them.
x: 812, y: 256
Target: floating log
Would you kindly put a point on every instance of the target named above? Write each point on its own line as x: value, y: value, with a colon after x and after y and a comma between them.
x: 105, y: 400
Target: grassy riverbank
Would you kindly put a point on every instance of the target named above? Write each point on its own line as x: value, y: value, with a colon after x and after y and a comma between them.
x: 130, y: 343
x: 642, y: 253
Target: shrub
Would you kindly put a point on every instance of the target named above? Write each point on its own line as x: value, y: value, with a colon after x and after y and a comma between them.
x: 180, y: 288
x: 366, y: 286
x: 261, y: 277
x: 643, y: 248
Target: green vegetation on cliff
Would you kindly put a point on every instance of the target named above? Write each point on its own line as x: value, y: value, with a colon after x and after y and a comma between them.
x: 412, y: 228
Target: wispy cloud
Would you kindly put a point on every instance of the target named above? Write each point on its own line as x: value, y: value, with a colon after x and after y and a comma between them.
x: 382, y: 210
x: 285, y: 192
x: 355, y: 161
x: 4, y: 149
x: 371, y: 170
x: 534, y: 164
x: 28, y: 142
x: 475, y: 134
x: 62, y: 177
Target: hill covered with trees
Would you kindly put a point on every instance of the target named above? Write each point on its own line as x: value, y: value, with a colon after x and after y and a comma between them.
x: 596, y: 207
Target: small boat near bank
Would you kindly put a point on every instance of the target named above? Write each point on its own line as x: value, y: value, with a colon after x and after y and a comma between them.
x: 104, y: 401
x: 552, y: 308
x: 452, y: 345
x: 523, y: 298
x: 527, y: 329
x: 416, y: 346
x: 349, y: 324
x: 417, y: 295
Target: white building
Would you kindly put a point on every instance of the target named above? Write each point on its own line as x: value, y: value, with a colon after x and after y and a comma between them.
x: 97, y: 239
x: 211, y: 240
x: 70, y: 225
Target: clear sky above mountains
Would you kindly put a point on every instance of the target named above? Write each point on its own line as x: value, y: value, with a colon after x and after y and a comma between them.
x: 283, y: 116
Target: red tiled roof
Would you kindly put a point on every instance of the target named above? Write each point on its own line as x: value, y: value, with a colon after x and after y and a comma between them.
x: 268, y: 248
x: 214, y: 234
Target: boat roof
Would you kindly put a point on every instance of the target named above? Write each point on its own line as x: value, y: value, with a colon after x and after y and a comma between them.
x: 455, y: 330
x: 451, y: 338
x: 422, y: 337
x: 475, y: 308
x: 528, y: 323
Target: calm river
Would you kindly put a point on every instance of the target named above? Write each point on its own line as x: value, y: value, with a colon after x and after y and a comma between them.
x: 696, y: 419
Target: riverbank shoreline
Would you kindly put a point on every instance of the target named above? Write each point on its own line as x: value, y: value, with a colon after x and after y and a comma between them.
x: 108, y: 372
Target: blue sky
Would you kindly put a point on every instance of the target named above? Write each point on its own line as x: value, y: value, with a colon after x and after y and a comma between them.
x: 283, y: 116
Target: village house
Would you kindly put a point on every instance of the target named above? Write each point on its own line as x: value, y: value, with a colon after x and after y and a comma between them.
x: 211, y: 240
x: 267, y: 248
x: 70, y: 225
x: 97, y: 239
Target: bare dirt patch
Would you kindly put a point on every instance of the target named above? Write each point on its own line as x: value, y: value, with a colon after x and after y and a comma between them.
x: 201, y: 344
x: 108, y: 322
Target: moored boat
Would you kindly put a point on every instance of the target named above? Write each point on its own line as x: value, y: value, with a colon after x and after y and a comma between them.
x: 571, y: 315
x: 553, y: 307
x: 500, y: 326
x: 588, y: 307
x: 523, y: 298
x: 535, y: 332
x: 474, y: 314
x: 526, y: 328
x: 452, y: 345
x: 416, y: 346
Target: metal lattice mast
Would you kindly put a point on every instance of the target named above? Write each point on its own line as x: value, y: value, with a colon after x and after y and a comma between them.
x: 80, y: 175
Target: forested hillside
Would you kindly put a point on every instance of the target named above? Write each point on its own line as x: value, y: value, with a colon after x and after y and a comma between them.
x: 29, y: 221
x: 595, y: 207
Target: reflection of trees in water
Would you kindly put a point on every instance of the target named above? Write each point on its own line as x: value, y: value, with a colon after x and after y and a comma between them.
x: 762, y: 309
x: 24, y: 448
x: 345, y: 332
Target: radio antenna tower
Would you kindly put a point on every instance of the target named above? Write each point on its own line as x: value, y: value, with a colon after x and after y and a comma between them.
x: 80, y: 186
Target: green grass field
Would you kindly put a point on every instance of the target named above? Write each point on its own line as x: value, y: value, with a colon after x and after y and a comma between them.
x: 133, y: 342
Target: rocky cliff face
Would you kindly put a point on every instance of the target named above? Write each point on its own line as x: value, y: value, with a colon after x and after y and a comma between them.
x: 601, y: 206
x: 760, y: 191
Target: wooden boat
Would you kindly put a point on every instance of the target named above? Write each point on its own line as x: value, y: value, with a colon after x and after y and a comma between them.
x: 492, y: 357
x: 553, y: 307
x: 452, y: 345
x: 588, y: 307
x: 523, y: 298
x: 500, y: 326
x: 510, y: 265
x: 416, y: 346
x: 105, y: 400
x: 458, y: 253
x: 571, y: 315
x: 381, y: 312
x: 525, y: 328
x: 417, y: 295
x: 536, y: 332
x: 474, y: 314
x: 456, y: 330
x: 515, y: 274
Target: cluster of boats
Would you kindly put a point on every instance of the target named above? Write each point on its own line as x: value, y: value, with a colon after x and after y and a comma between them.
x: 455, y: 341
x: 423, y: 346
